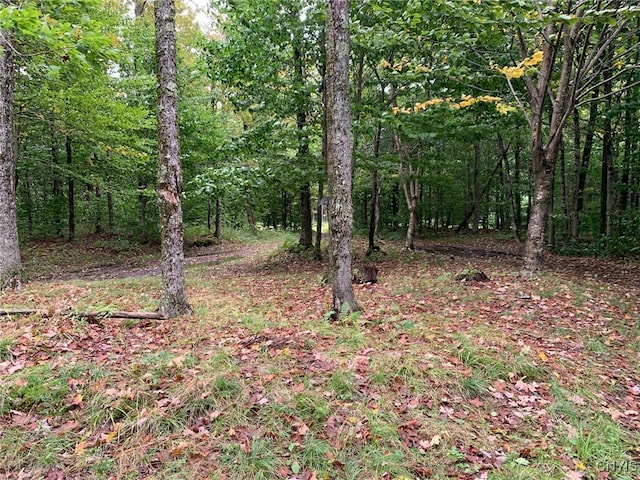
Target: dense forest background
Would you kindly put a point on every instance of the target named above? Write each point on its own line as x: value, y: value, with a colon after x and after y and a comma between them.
x: 441, y: 110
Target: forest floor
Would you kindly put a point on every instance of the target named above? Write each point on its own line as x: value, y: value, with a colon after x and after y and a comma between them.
x: 510, y: 378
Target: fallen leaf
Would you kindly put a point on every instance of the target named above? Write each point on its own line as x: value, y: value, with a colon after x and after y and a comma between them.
x: 80, y: 447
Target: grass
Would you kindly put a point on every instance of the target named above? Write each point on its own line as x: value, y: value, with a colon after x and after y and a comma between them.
x: 434, y: 379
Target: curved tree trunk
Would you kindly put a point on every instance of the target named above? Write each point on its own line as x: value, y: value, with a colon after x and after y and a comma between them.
x: 173, y: 301
x: 339, y: 159
x: 10, y: 262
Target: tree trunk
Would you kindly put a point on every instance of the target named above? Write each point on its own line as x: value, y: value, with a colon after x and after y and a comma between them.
x: 306, y: 231
x: 534, y: 244
x: 317, y: 250
x: 476, y: 188
x: 99, y: 228
x: 375, y: 211
x: 70, y: 190
x: 517, y: 191
x: 173, y: 300
x: 217, y: 233
x: 411, y: 189
x: 56, y: 185
x: 110, y: 213
x: 511, y: 200
x: 606, y: 188
x: 10, y: 262
x: 629, y: 147
x: 564, y: 195
x: 285, y: 210
x: 339, y: 159
x: 375, y: 195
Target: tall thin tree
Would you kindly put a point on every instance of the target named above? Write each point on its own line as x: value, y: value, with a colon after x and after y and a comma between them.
x: 10, y: 262
x: 173, y: 300
x: 339, y: 157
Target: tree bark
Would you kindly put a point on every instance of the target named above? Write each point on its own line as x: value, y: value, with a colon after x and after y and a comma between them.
x: 534, y: 244
x: 475, y: 222
x: 70, y: 190
x: 339, y: 158
x: 318, y: 245
x: 99, y: 228
x: 217, y: 233
x: 10, y: 261
x: 375, y: 195
x: 110, y: 213
x: 306, y: 218
x: 173, y: 300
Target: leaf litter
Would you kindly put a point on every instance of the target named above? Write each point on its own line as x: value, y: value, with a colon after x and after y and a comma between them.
x: 434, y: 379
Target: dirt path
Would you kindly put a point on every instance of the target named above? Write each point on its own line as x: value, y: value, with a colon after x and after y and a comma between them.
x: 90, y: 263
x: 213, y: 254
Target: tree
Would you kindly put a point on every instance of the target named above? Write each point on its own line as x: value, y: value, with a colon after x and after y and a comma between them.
x: 60, y: 48
x: 173, y: 301
x: 10, y: 262
x: 574, y: 40
x: 339, y: 159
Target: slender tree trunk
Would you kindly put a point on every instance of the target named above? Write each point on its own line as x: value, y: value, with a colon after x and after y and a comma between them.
x: 582, y: 156
x: 339, y: 159
x: 56, y: 184
x: 99, y: 228
x: 626, y: 160
x: 551, y: 226
x: 217, y: 233
x: 476, y: 188
x: 28, y: 198
x: 142, y: 204
x: 70, y: 189
x: 173, y: 300
x: 511, y: 200
x: 306, y: 231
x: 10, y: 262
x: 111, y: 213
x: 606, y: 188
x: 517, y: 191
x: 375, y: 194
x: 411, y: 189
x: 318, y: 251
x: 566, y: 223
x: 285, y: 210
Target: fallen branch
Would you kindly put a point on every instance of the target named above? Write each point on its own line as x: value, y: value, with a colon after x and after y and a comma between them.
x: 89, y: 314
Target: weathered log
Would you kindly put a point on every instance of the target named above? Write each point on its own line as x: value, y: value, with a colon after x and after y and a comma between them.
x: 89, y: 314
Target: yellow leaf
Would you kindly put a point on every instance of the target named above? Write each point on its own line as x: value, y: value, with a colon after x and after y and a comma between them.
x: 81, y: 447
x: 534, y: 60
x: 113, y: 434
x: 543, y: 356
